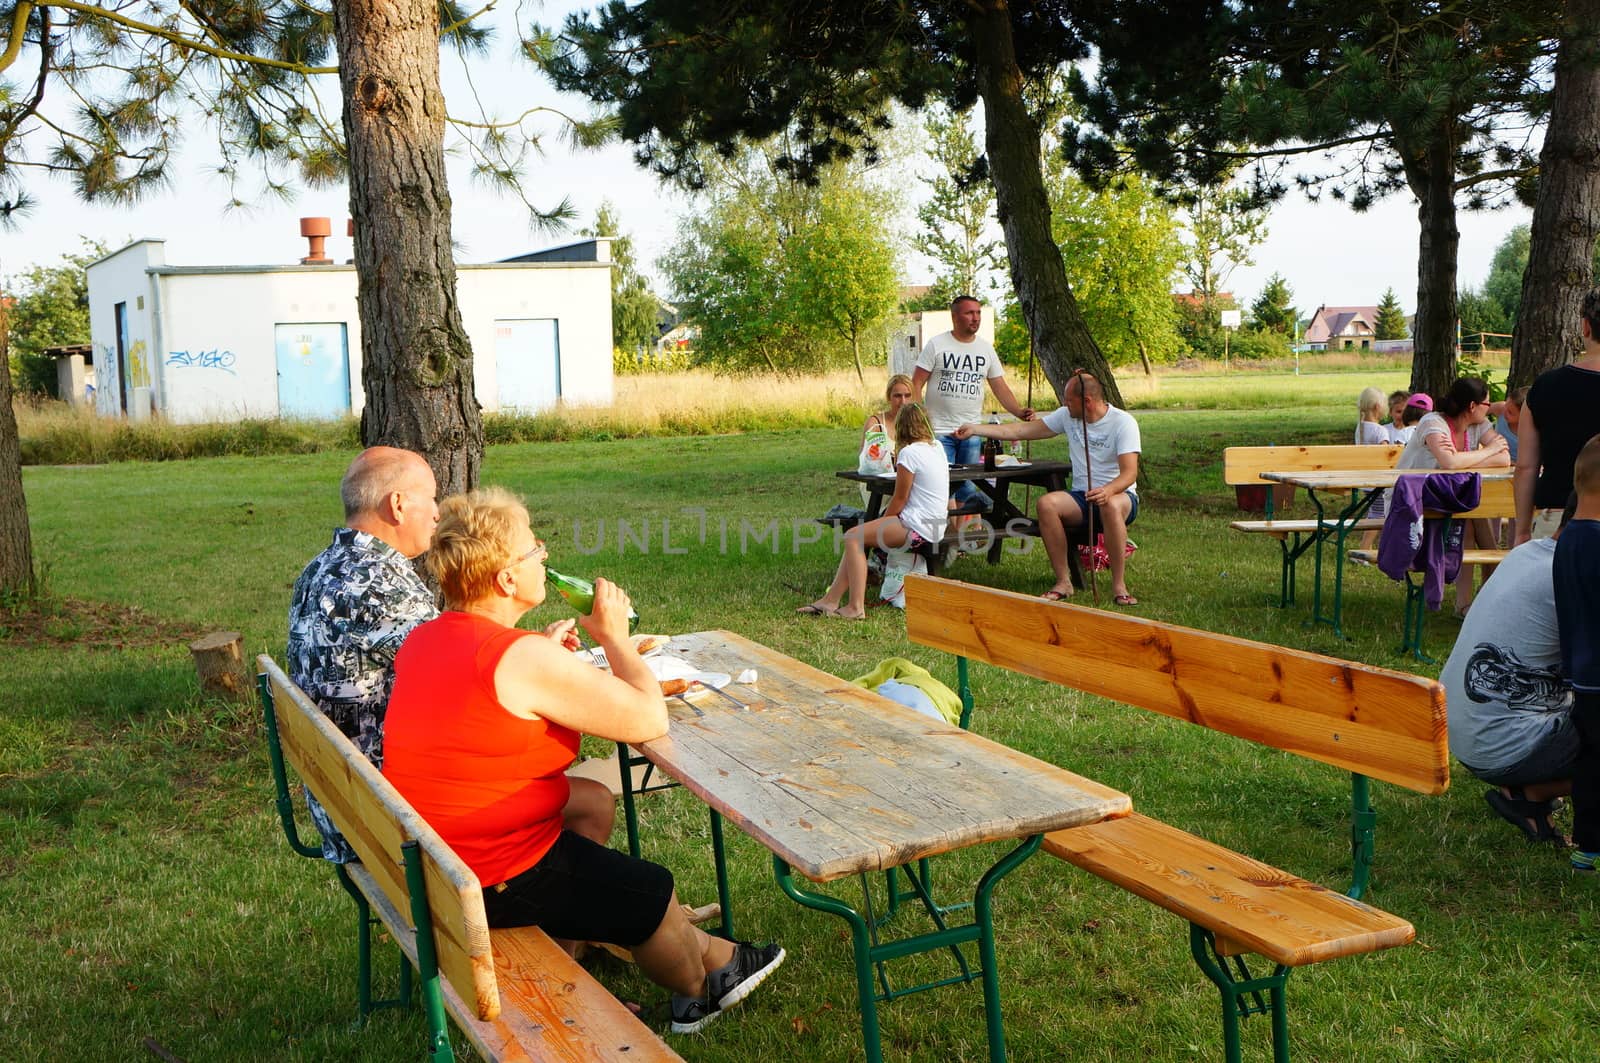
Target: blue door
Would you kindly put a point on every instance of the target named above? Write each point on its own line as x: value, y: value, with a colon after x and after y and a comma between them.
x: 527, y: 364
x: 313, y: 371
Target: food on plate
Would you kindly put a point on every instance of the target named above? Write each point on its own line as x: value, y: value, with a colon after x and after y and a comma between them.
x: 647, y: 644
x: 669, y: 687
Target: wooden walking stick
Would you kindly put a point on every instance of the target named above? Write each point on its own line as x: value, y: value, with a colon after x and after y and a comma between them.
x: 1088, y: 484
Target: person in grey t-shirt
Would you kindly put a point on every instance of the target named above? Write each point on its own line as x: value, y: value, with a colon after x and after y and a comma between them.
x: 1510, y: 710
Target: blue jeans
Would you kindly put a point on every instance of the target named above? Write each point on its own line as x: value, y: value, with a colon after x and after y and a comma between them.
x: 967, y: 451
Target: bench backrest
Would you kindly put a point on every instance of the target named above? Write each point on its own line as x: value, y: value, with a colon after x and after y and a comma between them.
x: 377, y: 821
x: 1244, y: 465
x: 1495, y: 499
x: 1370, y: 721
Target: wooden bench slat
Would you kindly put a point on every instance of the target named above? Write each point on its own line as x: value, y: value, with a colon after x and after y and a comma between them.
x: 1354, y: 716
x: 568, y: 989
x: 1284, y: 918
x: 1280, y: 529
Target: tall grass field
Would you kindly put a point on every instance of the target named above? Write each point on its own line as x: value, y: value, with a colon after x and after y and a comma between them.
x: 153, y: 906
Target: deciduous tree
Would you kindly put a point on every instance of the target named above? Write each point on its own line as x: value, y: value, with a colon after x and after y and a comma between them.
x: 633, y: 305
x: 1566, y: 215
x: 51, y: 310
x: 958, y: 211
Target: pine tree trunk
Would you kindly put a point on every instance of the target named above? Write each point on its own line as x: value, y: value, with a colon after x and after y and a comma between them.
x: 416, y: 359
x: 16, y: 544
x: 1431, y: 176
x: 1060, y: 336
x: 1566, y: 216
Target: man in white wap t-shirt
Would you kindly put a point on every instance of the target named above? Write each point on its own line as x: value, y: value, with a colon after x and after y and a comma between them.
x: 1103, y: 475
x: 953, y: 366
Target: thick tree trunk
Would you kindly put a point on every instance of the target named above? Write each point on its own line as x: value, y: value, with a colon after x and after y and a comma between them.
x: 1011, y: 138
x: 16, y: 544
x: 1566, y: 216
x: 1433, y: 331
x: 416, y: 359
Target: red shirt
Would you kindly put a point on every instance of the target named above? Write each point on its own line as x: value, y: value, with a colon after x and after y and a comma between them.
x: 489, y: 782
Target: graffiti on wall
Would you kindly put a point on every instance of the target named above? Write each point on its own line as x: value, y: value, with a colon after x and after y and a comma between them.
x: 212, y: 359
x: 138, y: 365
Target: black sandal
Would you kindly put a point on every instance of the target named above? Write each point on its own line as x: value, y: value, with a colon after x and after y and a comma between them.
x: 1532, y: 818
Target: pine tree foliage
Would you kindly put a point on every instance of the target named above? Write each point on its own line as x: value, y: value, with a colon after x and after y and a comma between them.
x: 1391, y: 322
x: 1442, y: 101
x: 104, y: 94
x: 1273, y: 309
x: 681, y: 74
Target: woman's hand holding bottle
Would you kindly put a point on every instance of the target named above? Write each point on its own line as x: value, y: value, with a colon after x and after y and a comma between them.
x: 607, y: 624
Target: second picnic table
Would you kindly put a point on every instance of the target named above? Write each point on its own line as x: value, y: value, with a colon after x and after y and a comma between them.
x: 1360, y: 483
x: 836, y: 781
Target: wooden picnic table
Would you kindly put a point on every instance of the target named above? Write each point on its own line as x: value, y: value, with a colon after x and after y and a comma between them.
x: 1361, y: 484
x: 1005, y: 518
x: 836, y: 781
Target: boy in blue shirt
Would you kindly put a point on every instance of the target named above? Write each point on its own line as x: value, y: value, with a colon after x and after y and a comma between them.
x: 1576, y: 574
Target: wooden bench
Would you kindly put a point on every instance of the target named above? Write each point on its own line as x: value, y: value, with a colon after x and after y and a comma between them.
x: 1242, y: 466
x: 514, y: 993
x: 1371, y: 722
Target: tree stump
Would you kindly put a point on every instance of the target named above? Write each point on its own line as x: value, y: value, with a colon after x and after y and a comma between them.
x: 219, y: 661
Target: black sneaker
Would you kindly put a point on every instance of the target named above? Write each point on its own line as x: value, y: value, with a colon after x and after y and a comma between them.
x: 726, y: 986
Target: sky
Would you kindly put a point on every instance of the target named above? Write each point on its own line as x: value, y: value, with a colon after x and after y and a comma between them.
x: 1328, y: 253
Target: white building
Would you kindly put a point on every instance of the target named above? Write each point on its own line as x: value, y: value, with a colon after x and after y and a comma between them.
x: 220, y: 343
x: 911, y: 332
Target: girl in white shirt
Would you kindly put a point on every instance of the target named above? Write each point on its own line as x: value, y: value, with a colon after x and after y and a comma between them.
x: 915, y: 515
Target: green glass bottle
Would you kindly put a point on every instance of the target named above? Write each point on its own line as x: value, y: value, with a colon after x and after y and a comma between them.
x: 579, y: 594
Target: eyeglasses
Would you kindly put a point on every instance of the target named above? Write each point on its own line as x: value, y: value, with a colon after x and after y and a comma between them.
x: 540, y: 550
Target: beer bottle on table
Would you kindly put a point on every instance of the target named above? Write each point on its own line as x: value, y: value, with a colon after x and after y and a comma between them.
x: 579, y: 594
x: 991, y: 447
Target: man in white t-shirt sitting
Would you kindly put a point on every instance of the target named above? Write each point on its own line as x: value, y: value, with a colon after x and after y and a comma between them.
x: 953, y: 367
x: 1103, y: 475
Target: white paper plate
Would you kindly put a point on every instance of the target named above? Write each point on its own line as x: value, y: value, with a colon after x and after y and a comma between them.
x: 666, y: 666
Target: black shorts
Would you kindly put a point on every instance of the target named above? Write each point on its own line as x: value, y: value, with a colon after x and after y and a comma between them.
x: 584, y: 892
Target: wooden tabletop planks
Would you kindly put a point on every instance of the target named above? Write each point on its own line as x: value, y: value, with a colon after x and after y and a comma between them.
x: 1362, y: 479
x: 837, y: 780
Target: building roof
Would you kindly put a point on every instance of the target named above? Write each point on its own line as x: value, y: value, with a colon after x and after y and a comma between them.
x: 1331, y: 321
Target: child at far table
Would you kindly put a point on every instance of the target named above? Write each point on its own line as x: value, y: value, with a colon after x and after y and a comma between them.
x: 1399, y: 429
x: 1576, y: 574
x: 1369, y: 431
x: 914, y: 516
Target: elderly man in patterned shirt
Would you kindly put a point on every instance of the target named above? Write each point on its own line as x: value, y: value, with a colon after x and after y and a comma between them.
x: 356, y: 602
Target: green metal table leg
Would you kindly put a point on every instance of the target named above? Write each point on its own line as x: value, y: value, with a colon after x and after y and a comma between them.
x: 871, y: 1039
x: 983, y: 913
x: 869, y: 952
x: 630, y: 812
x: 427, y: 962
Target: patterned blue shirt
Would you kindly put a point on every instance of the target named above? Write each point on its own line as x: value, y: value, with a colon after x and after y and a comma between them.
x: 353, y: 606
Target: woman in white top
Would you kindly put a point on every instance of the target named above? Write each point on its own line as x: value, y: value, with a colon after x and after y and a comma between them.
x: 1457, y: 436
x: 915, y: 515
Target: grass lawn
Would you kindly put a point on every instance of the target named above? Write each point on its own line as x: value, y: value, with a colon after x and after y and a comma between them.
x: 151, y: 894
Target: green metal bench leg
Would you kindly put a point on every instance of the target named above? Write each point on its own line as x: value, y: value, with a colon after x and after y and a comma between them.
x: 1415, y: 612
x: 427, y: 961
x: 964, y: 688
x: 1242, y: 994
x: 724, y: 895
x: 1363, y: 834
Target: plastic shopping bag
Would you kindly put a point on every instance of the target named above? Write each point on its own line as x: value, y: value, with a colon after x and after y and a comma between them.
x: 1096, y: 558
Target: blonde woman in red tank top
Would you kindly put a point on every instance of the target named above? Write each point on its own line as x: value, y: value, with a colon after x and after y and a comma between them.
x: 484, y: 720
